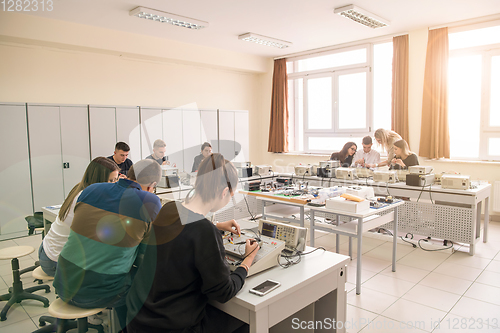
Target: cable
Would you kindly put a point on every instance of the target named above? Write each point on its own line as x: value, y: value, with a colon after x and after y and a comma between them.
x: 289, y: 258
x: 248, y: 208
x: 424, y: 239
x: 257, y: 235
x: 295, y: 254
x: 385, y: 231
x: 404, y: 240
x: 422, y: 190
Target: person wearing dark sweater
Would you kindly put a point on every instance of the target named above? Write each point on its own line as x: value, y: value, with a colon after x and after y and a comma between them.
x: 184, y: 264
x: 159, y: 149
x: 404, y: 158
x: 345, y: 155
x: 206, y: 150
x: 120, y: 157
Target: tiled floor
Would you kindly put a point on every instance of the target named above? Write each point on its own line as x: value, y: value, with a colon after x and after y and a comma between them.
x: 429, y: 292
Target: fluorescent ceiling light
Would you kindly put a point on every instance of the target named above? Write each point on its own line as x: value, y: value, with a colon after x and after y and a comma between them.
x: 361, y: 16
x: 164, y: 17
x: 251, y: 37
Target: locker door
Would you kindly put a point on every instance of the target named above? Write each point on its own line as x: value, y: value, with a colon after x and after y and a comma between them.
x: 46, y: 157
x: 15, y: 197
x: 151, y: 129
x: 241, y: 136
x: 102, y: 131
x: 209, y: 129
x: 75, y: 144
x: 172, y: 135
x: 191, y: 137
x: 226, y: 134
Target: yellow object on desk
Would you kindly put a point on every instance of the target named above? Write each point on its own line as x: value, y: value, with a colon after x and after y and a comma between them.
x: 351, y: 197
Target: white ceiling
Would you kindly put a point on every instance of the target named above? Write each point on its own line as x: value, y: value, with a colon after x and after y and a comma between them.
x: 308, y: 24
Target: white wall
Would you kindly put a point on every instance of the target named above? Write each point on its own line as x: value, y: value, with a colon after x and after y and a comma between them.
x: 50, y: 61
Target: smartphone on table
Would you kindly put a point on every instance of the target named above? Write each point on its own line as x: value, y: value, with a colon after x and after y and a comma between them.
x: 265, y: 287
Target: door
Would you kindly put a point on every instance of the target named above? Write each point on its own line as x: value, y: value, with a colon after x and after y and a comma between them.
x: 16, y: 197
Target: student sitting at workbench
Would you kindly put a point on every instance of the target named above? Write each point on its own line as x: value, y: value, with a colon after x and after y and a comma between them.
x: 367, y: 157
x: 184, y: 265
x: 345, y: 155
x: 404, y: 158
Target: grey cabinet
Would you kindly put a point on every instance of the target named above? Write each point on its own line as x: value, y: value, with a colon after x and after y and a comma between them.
x: 173, y: 137
x: 151, y: 129
x: 59, y: 151
x: 15, y: 197
x: 109, y: 125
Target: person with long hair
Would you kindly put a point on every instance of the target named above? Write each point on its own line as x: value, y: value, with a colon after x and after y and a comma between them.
x: 345, y: 155
x: 386, y: 139
x: 100, y: 170
x: 184, y: 266
x: 404, y: 158
x: 112, y: 221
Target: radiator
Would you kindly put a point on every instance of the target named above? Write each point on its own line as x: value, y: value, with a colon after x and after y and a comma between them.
x: 496, y: 196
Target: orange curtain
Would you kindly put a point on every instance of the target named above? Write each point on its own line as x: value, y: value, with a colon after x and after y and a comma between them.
x: 400, y: 86
x: 434, y: 132
x: 278, y: 127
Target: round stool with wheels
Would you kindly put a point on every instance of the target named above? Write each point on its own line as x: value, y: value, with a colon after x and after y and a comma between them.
x: 63, y: 318
x: 18, y: 293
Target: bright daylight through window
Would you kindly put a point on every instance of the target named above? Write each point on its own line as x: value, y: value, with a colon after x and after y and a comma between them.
x: 339, y: 96
x: 474, y: 101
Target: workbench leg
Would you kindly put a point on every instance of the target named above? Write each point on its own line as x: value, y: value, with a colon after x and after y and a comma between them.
x: 358, y: 268
x: 302, y: 216
x: 395, y: 239
x: 486, y: 218
x: 478, y: 219
x: 337, y: 236
x: 311, y: 228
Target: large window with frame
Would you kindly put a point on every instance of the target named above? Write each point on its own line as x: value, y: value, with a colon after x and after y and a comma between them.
x: 339, y: 96
x: 474, y: 86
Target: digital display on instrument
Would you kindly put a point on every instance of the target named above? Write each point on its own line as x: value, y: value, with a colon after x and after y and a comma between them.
x: 269, y: 230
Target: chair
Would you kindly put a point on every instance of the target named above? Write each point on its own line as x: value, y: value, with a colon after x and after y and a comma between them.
x: 17, y: 293
x: 64, y: 316
x: 35, y: 223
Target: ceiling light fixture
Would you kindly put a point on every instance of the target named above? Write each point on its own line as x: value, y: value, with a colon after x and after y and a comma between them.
x: 361, y: 16
x: 164, y: 17
x: 268, y: 41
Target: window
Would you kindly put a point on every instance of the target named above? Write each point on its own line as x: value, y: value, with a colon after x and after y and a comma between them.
x: 474, y: 102
x: 335, y: 97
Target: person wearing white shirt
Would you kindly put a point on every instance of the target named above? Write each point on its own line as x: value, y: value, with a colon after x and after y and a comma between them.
x: 367, y: 157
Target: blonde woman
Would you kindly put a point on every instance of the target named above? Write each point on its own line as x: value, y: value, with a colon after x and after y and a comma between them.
x: 386, y: 139
x: 404, y: 158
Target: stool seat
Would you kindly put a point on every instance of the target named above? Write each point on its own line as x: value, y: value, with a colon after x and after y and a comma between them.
x: 39, y: 274
x: 63, y: 318
x: 17, y: 293
x: 62, y: 310
x: 15, y: 252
